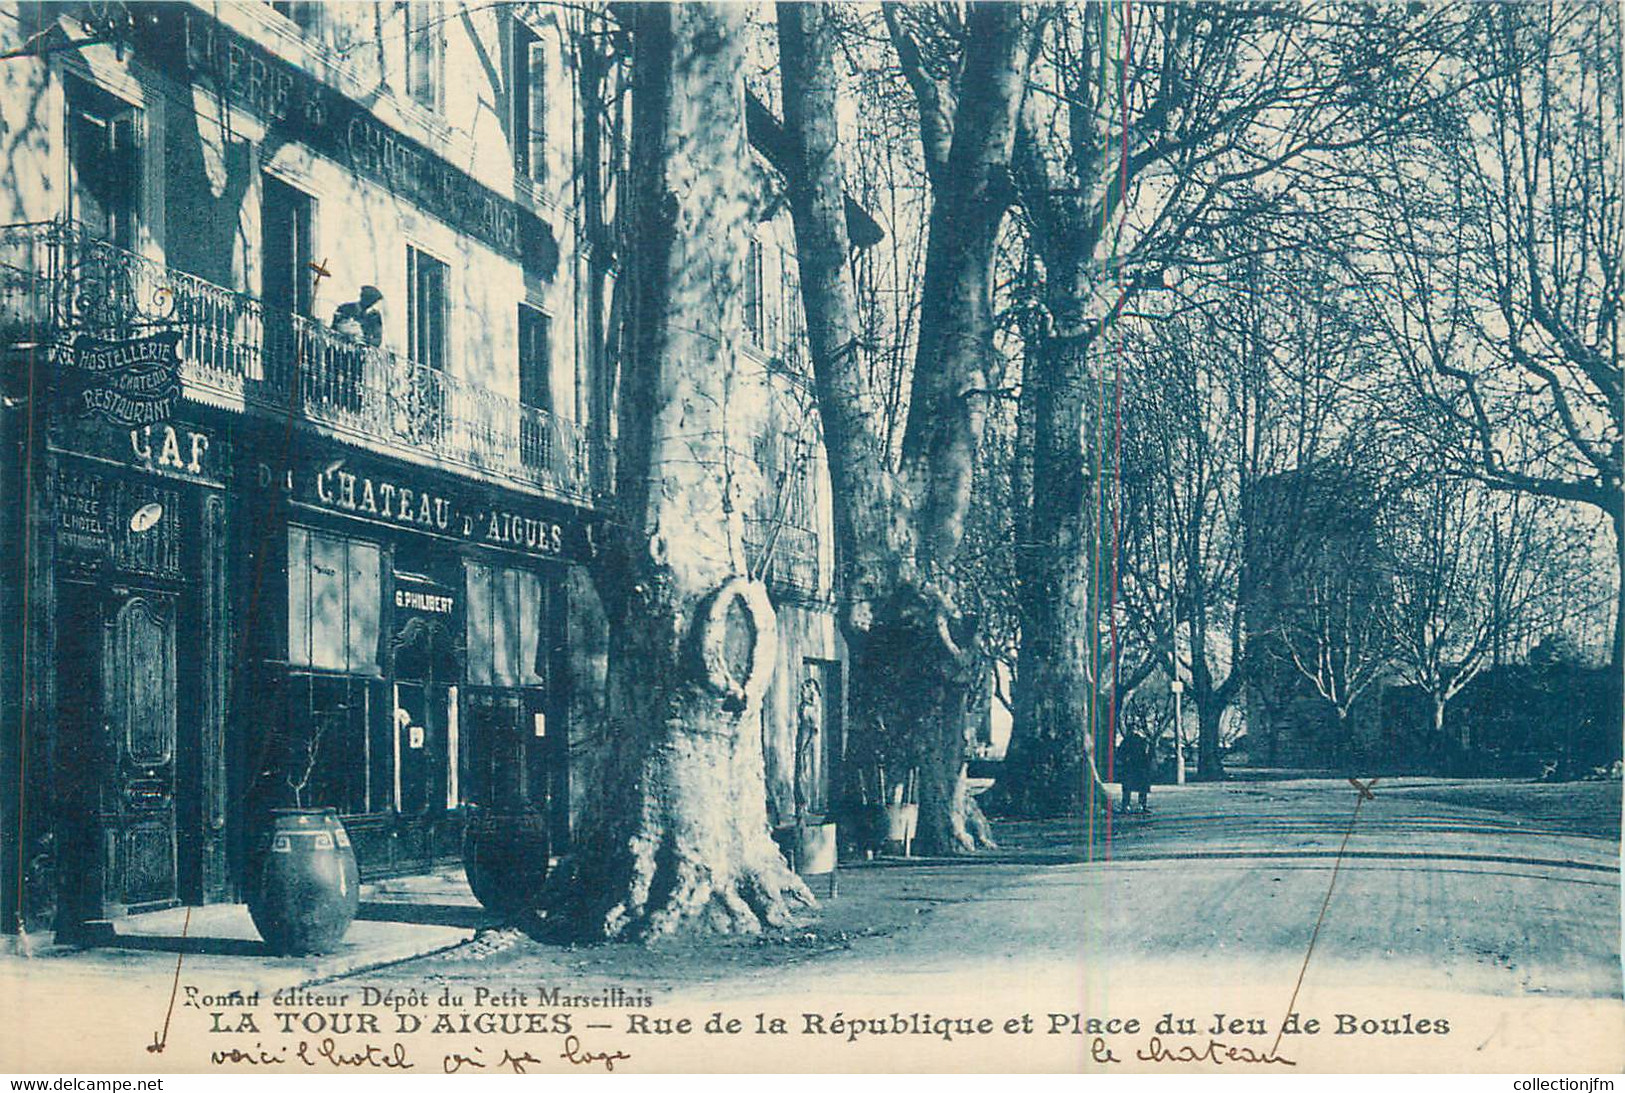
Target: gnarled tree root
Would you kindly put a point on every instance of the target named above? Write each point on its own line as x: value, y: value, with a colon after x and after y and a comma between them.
x: 658, y: 888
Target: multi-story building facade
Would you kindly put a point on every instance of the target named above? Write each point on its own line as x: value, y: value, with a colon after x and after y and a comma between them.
x: 305, y: 423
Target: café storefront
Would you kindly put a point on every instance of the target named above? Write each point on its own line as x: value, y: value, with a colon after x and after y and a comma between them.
x: 128, y: 579
x: 409, y: 657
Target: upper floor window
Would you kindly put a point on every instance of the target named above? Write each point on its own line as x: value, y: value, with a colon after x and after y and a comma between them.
x: 535, y: 358
x: 286, y: 215
x: 536, y: 448
x: 529, y: 84
x: 306, y: 14
x: 426, y: 306
x: 423, y: 40
x: 755, y: 310
x: 104, y: 151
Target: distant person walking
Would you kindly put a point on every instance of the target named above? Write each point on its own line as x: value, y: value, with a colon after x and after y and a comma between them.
x: 1134, y: 768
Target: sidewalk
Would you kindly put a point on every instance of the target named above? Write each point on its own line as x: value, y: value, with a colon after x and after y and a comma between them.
x: 400, y: 919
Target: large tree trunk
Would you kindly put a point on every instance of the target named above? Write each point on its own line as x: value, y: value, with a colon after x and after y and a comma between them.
x: 678, y: 838
x: 955, y: 370
x: 1049, y: 769
x: 917, y: 687
x: 1209, y: 711
x: 915, y: 671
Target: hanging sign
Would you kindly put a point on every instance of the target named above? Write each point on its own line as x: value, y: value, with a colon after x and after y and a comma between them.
x: 131, y: 382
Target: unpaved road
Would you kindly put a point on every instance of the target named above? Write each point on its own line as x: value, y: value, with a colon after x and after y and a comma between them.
x: 1458, y: 896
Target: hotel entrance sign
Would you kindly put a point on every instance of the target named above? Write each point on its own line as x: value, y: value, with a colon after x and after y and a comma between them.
x: 132, y: 382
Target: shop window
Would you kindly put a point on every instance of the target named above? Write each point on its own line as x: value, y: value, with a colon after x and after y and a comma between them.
x: 505, y: 618
x: 423, y: 38
x: 104, y: 135
x: 338, y: 753
x: 426, y: 309
x: 529, y: 90
x: 333, y: 602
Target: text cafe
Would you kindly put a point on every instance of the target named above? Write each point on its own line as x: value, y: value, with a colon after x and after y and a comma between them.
x: 416, y: 662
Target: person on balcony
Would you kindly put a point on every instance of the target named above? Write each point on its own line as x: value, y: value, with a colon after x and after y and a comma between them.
x: 361, y: 319
x: 362, y: 322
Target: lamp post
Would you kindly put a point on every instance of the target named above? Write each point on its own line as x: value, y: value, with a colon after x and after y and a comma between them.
x: 1178, y: 688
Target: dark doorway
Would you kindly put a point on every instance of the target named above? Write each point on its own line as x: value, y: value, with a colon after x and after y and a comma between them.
x: 138, y: 682
x: 427, y: 824
x: 496, y: 775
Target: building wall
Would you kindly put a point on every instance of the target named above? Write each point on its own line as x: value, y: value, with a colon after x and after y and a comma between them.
x: 216, y: 99
x: 222, y: 98
x: 207, y: 143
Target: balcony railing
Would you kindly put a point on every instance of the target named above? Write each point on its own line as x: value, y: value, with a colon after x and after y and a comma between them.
x: 57, y: 280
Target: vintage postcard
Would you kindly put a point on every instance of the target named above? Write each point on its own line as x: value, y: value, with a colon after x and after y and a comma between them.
x: 923, y: 537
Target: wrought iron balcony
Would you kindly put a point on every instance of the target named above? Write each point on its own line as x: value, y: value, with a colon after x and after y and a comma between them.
x: 57, y: 281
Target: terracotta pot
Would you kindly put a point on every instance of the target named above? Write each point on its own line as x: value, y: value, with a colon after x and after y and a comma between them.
x: 505, y: 857
x: 305, y: 889
x: 810, y: 848
x: 901, y: 823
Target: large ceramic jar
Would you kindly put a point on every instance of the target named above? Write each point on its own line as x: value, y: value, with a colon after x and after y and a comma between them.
x: 306, y: 888
x: 505, y: 857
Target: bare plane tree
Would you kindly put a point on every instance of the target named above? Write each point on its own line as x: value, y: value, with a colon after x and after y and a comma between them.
x: 1499, y: 259
x: 677, y: 838
x: 915, y: 667
x: 1149, y: 135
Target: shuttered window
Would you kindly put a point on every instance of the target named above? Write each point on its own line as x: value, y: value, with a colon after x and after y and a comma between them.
x: 506, y: 616
x: 334, y: 602
x: 529, y: 90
